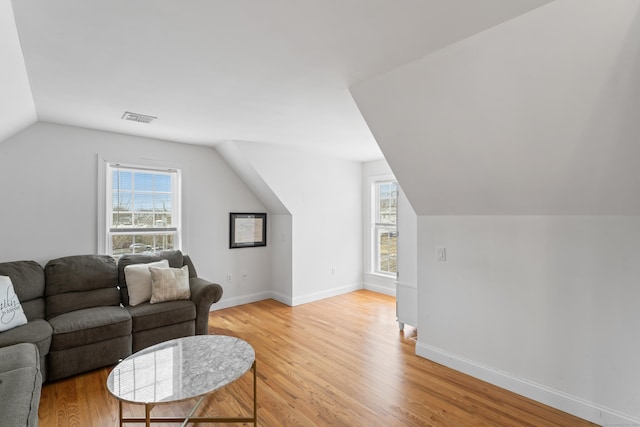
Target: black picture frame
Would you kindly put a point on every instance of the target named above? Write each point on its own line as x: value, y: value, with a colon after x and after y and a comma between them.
x: 247, y: 230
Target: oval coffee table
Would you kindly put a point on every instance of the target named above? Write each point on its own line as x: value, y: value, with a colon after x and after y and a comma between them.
x: 180, y: 369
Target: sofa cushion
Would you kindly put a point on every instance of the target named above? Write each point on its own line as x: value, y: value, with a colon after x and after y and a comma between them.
x: 139, y: 280
x: 84, y: 358
x: 169, y: 284
x: 20, y: 381
x: 82, y: 327
x: 149, y: 316
x: 28, y: 281
x: 79, y: 282
x: 22, y: 355
x: 36, y: 331
x: 11, y: 313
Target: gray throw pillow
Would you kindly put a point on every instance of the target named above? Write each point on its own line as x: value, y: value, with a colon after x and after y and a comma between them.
x: 169, y: 284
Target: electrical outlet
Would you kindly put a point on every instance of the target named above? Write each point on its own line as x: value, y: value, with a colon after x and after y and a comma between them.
x: 229, y: 277
x: 441, y: 254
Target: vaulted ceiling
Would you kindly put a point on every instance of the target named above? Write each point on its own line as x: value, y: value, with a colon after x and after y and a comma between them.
x: 536, y: 116
x: 275, y: 71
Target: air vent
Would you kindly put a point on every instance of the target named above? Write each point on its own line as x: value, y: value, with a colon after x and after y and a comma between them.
x: 135, y: 117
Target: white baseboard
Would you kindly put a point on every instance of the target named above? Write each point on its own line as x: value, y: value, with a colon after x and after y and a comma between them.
x: 243, y: 299
x: 548, y: 396
x: 326, y: 294
x: 285, y: 299
x: 380, y: 284
x: 380, y: 289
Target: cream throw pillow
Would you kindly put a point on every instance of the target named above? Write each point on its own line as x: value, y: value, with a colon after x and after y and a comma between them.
x: 11, y: 313
x: 169, y: 284
x: 138, y: 279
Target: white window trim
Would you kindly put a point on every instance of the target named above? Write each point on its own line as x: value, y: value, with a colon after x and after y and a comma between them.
x: 371, y: 243
x: 104, y: 198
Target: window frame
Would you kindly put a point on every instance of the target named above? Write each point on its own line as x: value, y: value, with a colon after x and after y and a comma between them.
x: 376, y: 226
x: 105, y: 207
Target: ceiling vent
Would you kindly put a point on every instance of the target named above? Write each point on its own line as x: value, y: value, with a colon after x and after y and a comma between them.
x: 135, y: 117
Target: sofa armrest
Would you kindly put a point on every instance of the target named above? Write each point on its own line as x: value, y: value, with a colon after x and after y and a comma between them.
x: 186, y: 260
x: 21, y: 383
x: 203, y: 294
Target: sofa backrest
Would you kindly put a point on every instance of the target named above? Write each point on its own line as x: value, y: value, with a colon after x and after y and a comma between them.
x: 28, y: 282
x: 81, y: 281
x: 175, y: 258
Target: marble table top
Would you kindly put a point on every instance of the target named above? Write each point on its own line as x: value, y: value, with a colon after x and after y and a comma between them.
x: 180, y: 369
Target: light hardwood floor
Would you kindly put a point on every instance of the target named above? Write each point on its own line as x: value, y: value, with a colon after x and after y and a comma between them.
x: 336, y: 362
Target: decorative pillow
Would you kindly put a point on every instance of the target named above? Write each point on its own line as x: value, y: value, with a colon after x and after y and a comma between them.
x: 11, y: 313
x: 169, y: 284
x: 138, y: 279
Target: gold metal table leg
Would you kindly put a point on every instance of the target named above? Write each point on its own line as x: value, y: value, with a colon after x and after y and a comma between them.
x: 190, y: 418
x: 147, y: 414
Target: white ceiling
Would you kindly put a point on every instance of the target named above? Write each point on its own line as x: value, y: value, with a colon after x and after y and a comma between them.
x: 275, y: 71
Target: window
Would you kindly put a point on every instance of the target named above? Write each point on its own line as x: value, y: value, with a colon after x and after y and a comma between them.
x: 385, y: 232
x: 142, y: 209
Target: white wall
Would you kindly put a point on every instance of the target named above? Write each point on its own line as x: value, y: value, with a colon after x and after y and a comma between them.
x: 543, y: 305
x: 281, y: 258
x: 324, y: 197
x: 533, y: 116
x: 17, y: 110
x: 279, y: 233
x: 407, y: 280
x: 49, y: 192
x: 536, y: 116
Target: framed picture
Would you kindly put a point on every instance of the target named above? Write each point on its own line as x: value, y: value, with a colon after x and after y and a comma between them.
x: 247, y: 230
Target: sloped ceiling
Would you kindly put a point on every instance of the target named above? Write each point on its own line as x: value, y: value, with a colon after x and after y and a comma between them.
x: 538, y: 115
x: 273, y: 71
x: 17, y: 109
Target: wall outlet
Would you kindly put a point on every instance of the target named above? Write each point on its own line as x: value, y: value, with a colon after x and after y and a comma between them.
x: 229, y: 277
x: 441, y: 254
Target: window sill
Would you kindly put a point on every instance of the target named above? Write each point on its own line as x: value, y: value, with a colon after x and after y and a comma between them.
x: 383, y: 275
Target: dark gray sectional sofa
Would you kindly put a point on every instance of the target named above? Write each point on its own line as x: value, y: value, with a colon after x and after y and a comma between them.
x: 20, y: 382
x: 79, y: 317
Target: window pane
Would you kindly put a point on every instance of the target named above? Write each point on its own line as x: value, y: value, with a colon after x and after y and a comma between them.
x: 121, y: 201
x: 143, y: 219
x: 163, y: 183
x: 143, y: 202
x: 122, y: 219
x: 141, y: 243
x: 163, y: 242
x: 387, y: 202
x: 162, y: 202
x: 143, y: 181
x: 387, y: 242
x: 163, y: 220
x: 122, y: 180
x: 120, y: 244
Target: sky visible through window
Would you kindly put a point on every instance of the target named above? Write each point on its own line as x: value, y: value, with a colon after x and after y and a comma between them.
x: 141, y: 191
x: 388, y: 190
